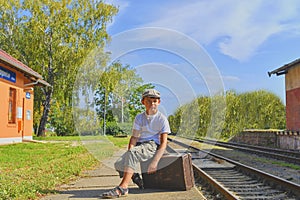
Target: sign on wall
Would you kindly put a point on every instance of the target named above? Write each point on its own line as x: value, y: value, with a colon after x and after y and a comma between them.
x: 7, y: 74
x: 28, y: 95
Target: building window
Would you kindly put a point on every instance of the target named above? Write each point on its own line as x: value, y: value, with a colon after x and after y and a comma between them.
x: 12, y: 106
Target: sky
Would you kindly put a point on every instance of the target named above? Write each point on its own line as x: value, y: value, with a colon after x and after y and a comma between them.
x: 203, y: 47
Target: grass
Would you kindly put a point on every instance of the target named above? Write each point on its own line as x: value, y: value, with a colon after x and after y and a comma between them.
x: 280, y: 163
x: 31, y: 170
x: 119, y: 141
x: 58, y: 138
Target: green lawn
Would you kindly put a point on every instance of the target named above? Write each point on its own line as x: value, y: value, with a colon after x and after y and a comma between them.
x: 30, y: 170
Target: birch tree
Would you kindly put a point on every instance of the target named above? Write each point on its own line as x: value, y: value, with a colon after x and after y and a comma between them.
x: 53, y: 37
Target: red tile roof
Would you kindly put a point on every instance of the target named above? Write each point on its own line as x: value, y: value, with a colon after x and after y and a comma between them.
x: 21, y: 67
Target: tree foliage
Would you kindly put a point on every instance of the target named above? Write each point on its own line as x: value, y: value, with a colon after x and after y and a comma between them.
x: 134, y: 103
x: 250, y: 110
x: 53, y: 38
x: 116, y: 93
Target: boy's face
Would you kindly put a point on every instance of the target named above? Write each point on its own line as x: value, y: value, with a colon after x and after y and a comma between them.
x: 151, y: 105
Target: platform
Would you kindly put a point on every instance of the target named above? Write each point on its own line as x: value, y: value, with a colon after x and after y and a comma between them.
x: 105, y: 177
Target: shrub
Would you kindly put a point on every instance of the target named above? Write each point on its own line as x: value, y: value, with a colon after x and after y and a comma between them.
x: 112, y: 128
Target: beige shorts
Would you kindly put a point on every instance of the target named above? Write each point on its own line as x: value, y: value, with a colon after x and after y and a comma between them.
x: 135, y: 155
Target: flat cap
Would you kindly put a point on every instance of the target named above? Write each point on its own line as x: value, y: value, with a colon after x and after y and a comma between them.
x: 151, y: 93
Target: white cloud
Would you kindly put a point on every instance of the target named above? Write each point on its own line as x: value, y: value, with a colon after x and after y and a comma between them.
x: 121, y: 5
x: 231, y: 78
x: 238, y: 27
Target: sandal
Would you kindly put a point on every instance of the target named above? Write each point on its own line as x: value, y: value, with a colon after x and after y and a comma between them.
x: 137, y: 180
x: 115, y: 193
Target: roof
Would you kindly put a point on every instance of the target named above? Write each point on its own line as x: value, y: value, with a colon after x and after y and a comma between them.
x: 22, y: 67
x: 285, y: 68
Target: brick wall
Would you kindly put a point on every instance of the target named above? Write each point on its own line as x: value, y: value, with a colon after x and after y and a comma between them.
x: 272, y: 139
x: 292, y: 88
x: 288, y: 140
x: 259, y: 138
x: 293, y: 109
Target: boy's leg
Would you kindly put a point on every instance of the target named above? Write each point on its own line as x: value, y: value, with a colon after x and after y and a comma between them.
x: 128, y: 172
x: 120, y: 165
x: 134, y: 156
x: 130, y: 160
x: 136, y: 178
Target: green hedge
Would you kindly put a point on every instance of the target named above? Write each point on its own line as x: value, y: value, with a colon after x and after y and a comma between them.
x: 225, y: 116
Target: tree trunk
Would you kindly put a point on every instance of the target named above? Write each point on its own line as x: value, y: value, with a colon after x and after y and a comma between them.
x: 43, y: 121
x: 48, y: 91
x: 122, y: 109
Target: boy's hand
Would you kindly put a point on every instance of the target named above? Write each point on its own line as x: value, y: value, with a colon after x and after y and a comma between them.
x: 152, y: 167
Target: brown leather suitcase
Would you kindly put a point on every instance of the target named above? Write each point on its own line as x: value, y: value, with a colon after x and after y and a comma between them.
x: 175, y: 172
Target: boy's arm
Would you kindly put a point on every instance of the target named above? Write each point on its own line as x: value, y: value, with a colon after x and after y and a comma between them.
x: 160, y: 151
x: 133, y: 139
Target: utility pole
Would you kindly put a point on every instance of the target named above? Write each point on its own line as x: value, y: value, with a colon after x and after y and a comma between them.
x: 104, y: 114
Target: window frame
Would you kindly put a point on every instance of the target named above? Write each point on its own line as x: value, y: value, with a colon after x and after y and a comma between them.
x: 12, y: 106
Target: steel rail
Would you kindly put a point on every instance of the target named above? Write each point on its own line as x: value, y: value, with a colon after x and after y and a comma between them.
x: 210, y: 180
x: 218, y: 187
x: 279, y: 154
x: 277, y: 182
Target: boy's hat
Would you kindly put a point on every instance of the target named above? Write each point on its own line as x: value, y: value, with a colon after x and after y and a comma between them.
x: 151, y: 93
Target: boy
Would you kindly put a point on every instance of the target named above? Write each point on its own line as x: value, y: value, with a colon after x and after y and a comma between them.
x: 148, y: 141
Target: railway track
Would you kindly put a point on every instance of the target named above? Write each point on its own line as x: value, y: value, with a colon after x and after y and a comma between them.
x: 279, y: 154
x: 233, y: 180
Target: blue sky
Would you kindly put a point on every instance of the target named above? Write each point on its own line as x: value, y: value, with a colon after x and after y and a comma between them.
x: 242, y: 39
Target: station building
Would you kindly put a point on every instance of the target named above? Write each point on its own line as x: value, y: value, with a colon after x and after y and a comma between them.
x: 16, y: 103
x: 292, y: 89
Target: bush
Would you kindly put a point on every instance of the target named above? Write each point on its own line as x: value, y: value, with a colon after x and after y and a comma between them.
x: 126, y: 128
x: 251, y: 110
x: 112, y: 128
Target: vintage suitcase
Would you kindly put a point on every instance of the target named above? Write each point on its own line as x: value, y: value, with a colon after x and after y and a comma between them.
x: 175, y: 172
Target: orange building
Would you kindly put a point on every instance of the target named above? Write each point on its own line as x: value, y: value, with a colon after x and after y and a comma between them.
x: 292, y: 90
x: 16, y: 102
